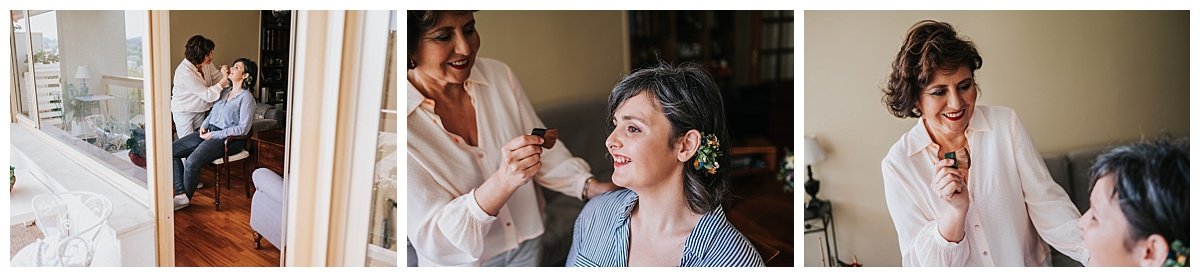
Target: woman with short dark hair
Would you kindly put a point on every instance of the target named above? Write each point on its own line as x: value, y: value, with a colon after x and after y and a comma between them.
x: 1140, y: 213
x: 966, y: 186
x: 197, y: 83
x: 472, y: 159
x: 667, y: 140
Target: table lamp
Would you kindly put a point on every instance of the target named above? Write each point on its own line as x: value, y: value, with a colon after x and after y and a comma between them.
x: 82, y: 73
x: 812, y: 154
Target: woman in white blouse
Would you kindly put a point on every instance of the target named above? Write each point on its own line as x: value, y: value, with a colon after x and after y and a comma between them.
x: 196, y: 85
x: 470, y: 153
x: 993, y: 203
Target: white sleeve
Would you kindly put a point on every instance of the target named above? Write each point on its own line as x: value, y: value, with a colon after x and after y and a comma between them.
x: 445, y: 229
x: 1049, y: 207
x: 185, y: 83
x: 921, y: 244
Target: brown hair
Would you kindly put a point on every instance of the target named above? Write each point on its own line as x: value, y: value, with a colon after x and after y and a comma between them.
x: 929, y: 47
x: 197, y: 48
x: 418, y: 23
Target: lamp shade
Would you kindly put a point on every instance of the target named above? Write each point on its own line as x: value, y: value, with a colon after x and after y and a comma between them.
x: 82, y: 72
x: 812, y: 151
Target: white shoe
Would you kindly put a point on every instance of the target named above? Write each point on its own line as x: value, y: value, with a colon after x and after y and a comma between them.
x: 181, y: 201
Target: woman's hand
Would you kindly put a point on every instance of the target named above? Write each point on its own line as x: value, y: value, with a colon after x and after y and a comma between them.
x: 224, y: 76
x: 522, y: 159
x: 949, y: 184
x: 951, y: 187
x: 206, y: 135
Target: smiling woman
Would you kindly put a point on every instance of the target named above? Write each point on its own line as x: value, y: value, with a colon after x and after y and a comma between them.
x: 933, y: 200
x: 667, y: 126
x: 471, y: 158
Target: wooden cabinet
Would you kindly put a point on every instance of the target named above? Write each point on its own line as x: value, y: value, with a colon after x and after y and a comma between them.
x: 270, y: 149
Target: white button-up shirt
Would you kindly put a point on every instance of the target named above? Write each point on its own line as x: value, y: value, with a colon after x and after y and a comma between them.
x: 191, y: 92
x: 445, y: 223
x: 1016, y: 208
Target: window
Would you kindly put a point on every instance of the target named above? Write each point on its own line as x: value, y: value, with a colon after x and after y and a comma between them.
x: 382, y: 231
x: 87, y: 76
x: 22, y: 58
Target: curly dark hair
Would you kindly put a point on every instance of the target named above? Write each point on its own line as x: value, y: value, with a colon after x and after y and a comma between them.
x: 418, y: 23
x: 197, y: 48
x: 1151, y: 185
x: 690, y: 99
x: 929, y: 47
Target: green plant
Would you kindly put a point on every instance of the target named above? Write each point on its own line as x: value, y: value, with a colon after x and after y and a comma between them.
x: 71, y: 108
x: 787, y: 171
x: 44, y: 57
x: 137, y: 141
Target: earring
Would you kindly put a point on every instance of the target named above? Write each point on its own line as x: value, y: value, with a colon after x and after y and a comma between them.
x: 916, y: 112
x: 706, y: 156
x: 412, y: 64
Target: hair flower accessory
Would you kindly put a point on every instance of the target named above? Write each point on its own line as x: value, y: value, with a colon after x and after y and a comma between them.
x: 706, y: 156
x: 1178, y: 256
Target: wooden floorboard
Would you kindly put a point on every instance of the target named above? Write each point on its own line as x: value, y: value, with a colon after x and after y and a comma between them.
x: 207, y: 237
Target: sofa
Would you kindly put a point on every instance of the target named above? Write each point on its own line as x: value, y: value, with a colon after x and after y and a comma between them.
x: 582, y: 127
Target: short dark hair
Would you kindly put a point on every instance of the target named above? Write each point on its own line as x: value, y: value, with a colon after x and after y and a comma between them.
x: 689, y: 99
x: 197, y: 48
x: 418, y: 23
x: 1151, y: 185
x: 929, y: 47
x: 252, y: 69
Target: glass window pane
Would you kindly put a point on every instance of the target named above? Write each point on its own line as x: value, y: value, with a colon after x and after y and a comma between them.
x: 22, y: 60
x: 89, y: 73
x: 382, y: 231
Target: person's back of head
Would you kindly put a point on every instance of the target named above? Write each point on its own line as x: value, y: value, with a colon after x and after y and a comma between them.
x: 1150, y: 184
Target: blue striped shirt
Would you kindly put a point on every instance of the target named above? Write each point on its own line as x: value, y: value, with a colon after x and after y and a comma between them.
x: 602, y: 236
x: 232, y: 114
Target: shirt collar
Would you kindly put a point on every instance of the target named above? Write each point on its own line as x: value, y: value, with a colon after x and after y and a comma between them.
x: 415, y: 98
x: 919, y: 139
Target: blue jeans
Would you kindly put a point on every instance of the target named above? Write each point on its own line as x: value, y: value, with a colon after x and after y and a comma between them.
x: 198, y: 153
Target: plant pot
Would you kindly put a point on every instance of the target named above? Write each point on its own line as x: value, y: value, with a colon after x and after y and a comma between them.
x: 137, y: 160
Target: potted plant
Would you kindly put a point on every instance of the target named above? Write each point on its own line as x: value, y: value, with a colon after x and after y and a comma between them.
x: 137, y: 145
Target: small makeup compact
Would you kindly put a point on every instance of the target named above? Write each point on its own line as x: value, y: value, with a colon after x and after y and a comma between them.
x: 551, y: 136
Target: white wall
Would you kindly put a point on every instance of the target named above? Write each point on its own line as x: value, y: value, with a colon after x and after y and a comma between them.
x: 558, y: 56
x: 1075, y: 78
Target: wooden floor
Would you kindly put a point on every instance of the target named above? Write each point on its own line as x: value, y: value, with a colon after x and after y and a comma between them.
x: 207, y: 237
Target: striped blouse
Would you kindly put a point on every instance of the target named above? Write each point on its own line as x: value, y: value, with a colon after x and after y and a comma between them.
x: 602, y: 237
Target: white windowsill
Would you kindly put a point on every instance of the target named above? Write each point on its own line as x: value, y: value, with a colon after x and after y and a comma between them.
x: 39, y: 163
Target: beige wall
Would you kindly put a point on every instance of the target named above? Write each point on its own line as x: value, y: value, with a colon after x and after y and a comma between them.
x: 1075, y: 79
x: 558, y: 56
x: 236, y: 34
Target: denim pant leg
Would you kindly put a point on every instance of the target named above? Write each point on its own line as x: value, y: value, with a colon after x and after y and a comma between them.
x: 206, y: 153
x: 182, y: 148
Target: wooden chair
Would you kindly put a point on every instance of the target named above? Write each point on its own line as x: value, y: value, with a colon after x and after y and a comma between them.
x: 223, y: 166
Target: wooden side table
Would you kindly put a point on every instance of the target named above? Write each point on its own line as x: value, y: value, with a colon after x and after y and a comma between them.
x: 270, y: 149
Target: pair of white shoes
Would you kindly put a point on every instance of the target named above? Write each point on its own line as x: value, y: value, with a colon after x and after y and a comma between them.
x: 181, y: 201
